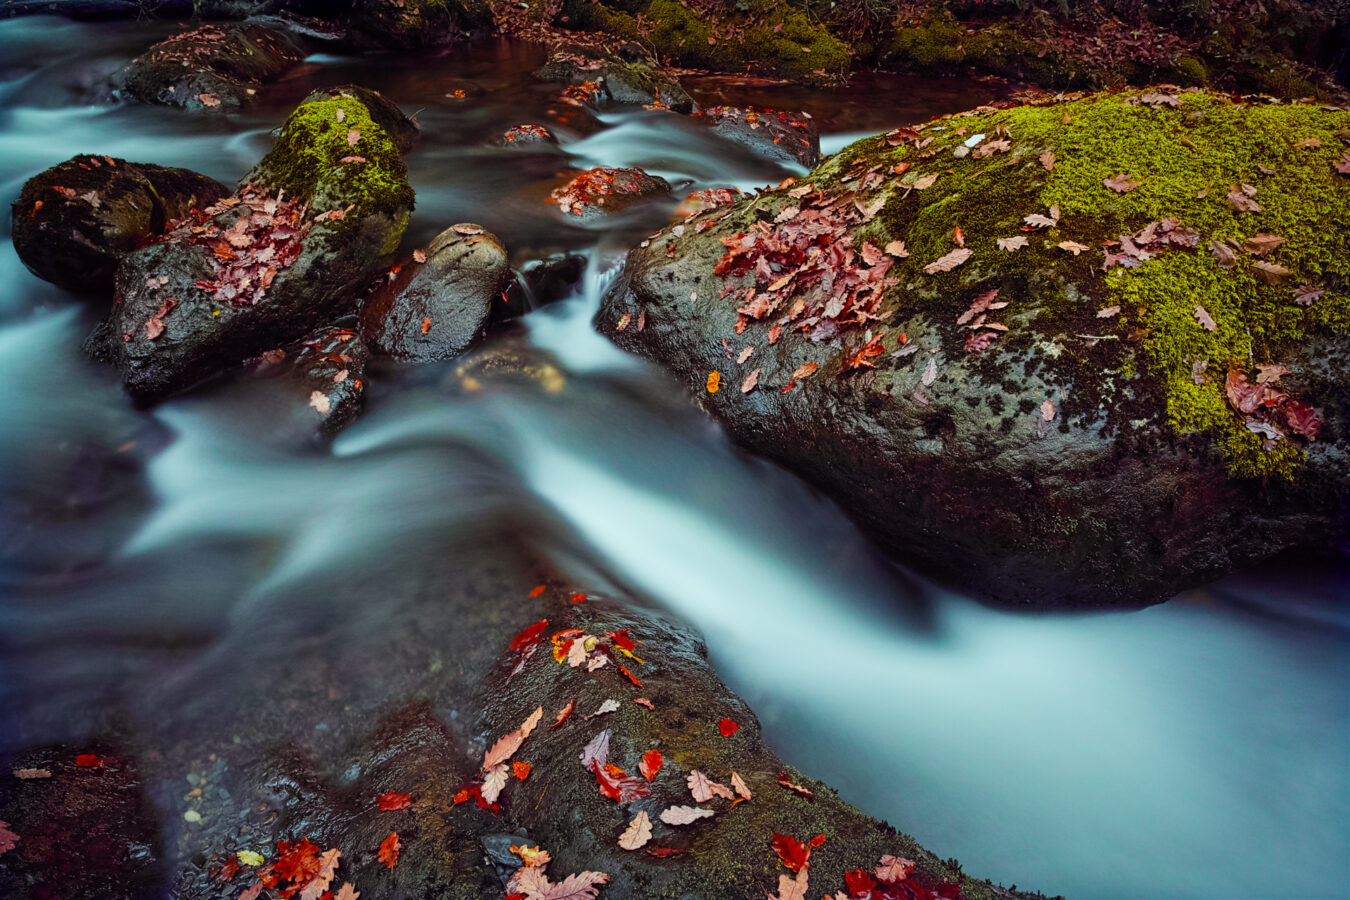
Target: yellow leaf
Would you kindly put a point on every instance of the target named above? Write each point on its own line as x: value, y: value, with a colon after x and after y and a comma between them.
x: 249, y: 858
x: 714, y: 382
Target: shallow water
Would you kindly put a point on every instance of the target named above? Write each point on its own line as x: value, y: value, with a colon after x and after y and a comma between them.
x: 1196, y: 749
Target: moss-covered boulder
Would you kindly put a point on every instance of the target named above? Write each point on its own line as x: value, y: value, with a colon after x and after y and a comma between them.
x: 414, y: 24
x: 759, y: 35
x: 73, y: 223
x: 289, y: 251
x: 627, y: 76
x: 1080, y: 353
x: 441, y: 300
x: 212, y: 67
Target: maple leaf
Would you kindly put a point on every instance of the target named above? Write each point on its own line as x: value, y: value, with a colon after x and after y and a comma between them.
x: 250, y: 858
x: 948, y: 262
x: 1122, y: 183
x: 651, y: 764
x: 1261, y: 244
x: 684, y: 815
x: 494, y: 781
x: 28, y: 774
x: 791, y: 851
x: 318, y: 884
x: 858, y: 882
x: 791, y: 888
x: 714, y: 382
x: 750, y: 381
x: 529, y: 637
x: 897, y: 249
x: 521, y: 770
x: 532, y: 856
x: 7, y: 838
x: 1012, y: 244
x: 638, y: 833
x: 389, y: 849
x: 89, y: 761
x: 727, y: 727
x: 893, y: 869
x: 1204, y: 318
x: 1073, y: 247
x: 392, y: 800
x: 740, y: 787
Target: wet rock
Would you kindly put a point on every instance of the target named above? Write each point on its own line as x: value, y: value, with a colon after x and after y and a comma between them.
x: 783, y: 136
x: 211, y: 67
x: 923, y: 328
x: 413, y: 24
x: 527, y: 136
x: 399, y: 680
x: 440, y: 302
x: 321, y: 381
x: 601, y: 191
x: 552, y: 277
x: 73, y: 223
x: 627, y: 77
x: 309, y: 227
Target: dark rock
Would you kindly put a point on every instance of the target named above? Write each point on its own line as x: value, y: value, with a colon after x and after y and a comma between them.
x: 73, y: 223
x: 413, y: 24
x: 633, y: 78
x: 553, y: 277
x: 1077, y: 442
x: 437, y: 309
x: 602, y: 191
x: 527, y: 136
x: 211, y: 67
x: 321, y: 381
x: 93, y: 9
x: 311, y: 225
x: 782, y: 136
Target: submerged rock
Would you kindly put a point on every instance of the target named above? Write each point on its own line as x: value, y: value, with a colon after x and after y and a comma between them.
x: 782, y: 136
x: 291, y: 250
x: 1079, y: 354
x: 629, y: 76
x: 73, y: 223
x: 439, y: 303
x: 211, y: 67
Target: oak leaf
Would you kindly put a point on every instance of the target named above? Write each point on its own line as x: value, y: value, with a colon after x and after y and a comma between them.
x: 948, y: 262
x: 684, y: 815
x: 704, y: 789
x: 1270, y: 273
x: 1261, y: 244
x: 750, y: 381
x: 897, y: 249
x: 494, y: 781
x: 1122, y: 183
x: 740, y: 787
x: 28, y: 774
x: 348, y: 890
x: 582, y: 886
x: 609, y: 706
x: 1073, y: 247
x: 892, y: 869
x: 791, y: 888
x: 638, y: 833
x: 1204, y: 318
x: 1012, y: 244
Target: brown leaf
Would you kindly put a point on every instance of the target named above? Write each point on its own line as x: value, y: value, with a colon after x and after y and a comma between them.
x: 1223, y: 253
x: 419, y: 256
x: 897, y: 249
x: 1261, y: 244
x: 704, y: 788
x: 893, y: 869
x: 1122, y: 183
x: 740, y: 787
x: 638, y: 833
x: 1270, y: 273
x: 1073, y: 247
x: 1048, y: 160
x: 949, y: 261
x: 29, y: 774
x: 1047, y: 411
x: 924, y: 183
x: 750, y: 381
x: 1242, y: 200
x: 8, y: 839
x: 805, y: 370
x: 1012, y: 244
x: 209, y: 99
x: 1305, y: 294
x: 1204, y: 318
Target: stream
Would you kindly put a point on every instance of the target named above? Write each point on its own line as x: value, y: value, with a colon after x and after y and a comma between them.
x: 1199, y: 748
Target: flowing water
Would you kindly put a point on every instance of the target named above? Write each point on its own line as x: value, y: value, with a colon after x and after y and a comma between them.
x: 1196, y: 749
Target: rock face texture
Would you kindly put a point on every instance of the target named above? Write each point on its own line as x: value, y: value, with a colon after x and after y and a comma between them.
x: 320, y: 380
x: 372, y: 699
x: 630, y: 75
x: 441, y: 300
x: 75, y: 222
x: 604, y: 191
x: 783, y: 136
x: 309, y: 227
x: 1078, y: 354
x: 211, y: 67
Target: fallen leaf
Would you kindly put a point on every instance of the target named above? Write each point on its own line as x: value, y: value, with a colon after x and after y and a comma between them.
x: 750, y: 381
x: 958, y: 236
x: 1223, y: 253
x: 897, y: 249
x: 1073, y: 247
x: 1261, y: 244
x: 744, y: 355
x: 704, y: 789
x: 1122, y: 183
x: 793, y: 853
x: 726, y: 726
x: 858, y: 882
x: 426, y: 324
x: 623, y: 321
x: 1270, y: 374
x: 643, y: 701
x: 925, y: 182
x: 1270, y: 273
x: 805, y: 370
x: 638, y: 833
x: 740, y: 787
x: 582, y: 886
x: 8, y: 839
x: 465, y: 228
x: 684, y: 815
x: 209, y: 99
x: 1241, y: 200
x: 352, y: 137
x: 1343, y: 164
x: 419, y: 256
x: 1048, y: 160
x: 521, y: 770
x: 948, y: 262
x: 392, y: 800
x: 1108, y: 312
x: 609, y: 706
x: 791, y: 888
x: 1012, y: 244
x: 1305, y: 294
x: 714, y: 382
x: 493, y: 782
x: 1047, y: 411
x: 348, y: 891
x: 650, y: 764
x: 893, y: 869
x: 597, y: 751
x: 930, y: 372
x: 389, y: 850
x: 566, y: 711
x: 786, y: 781
x: 1204, y: 318
x: 28, y: 774
x: 89, y: 761
x: 663, y: 852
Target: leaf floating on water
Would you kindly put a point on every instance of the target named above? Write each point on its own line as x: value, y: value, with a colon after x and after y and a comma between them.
x: 1204, y: 318
x: 948, y: 262
x: 684, y: 815
x: 638, y: 833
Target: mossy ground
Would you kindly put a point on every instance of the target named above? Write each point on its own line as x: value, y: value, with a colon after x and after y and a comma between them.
x: 307, y: 161
x: 1185, y: 158
x: 766, y: 37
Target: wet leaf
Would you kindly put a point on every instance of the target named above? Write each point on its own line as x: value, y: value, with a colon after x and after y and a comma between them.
x: 1012, y: 244
x: 793, y: 888
x: 958, y: 236
x: 608, y: 706
x: 8, y: 839
x: 726, y: 726
x: 209, y: 99
x: 623, y: 321
x: 805, y: 370
x: 1047, y: 411
x: 348, y: 890
x: 1270, y: 273
x: 582, y: 886
x: 786, y: 781
x: 89, y: 761
x: 531, y: 636
x: 597, y: 751
x: 704, y: 789
x: 29, y: 774
x: 740, y: 787
x: 714, y: 382
x: 744, y: 355
x: 521, y: 770
x: 893, y: 869
x: 392, y: 800
x: 684, y: 815
x: 419, y: 256
x: 750, y: 381
x: 566, y: 711
x: 791, y: 851
x: 494, y: 781
x: 1073, y: 247
x: 650, y: 765
x: 858, y: 882
x: 638, y: 833
x: 663, y: 852
x: 897, y: 249
x: 389, y: 849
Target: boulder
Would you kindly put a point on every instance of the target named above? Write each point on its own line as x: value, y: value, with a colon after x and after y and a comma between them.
x: 780, y: 136
x: 530, y: 136
x: 309, y: 227
x: 439, y: 302
x: 414, y: 24
x: 73, y: 223
x: 320, y: 381
x: 628, y: 76
x: 212, y: 67
x: 361, y: 718
x: 601, y: 191
x: 1079, y: 353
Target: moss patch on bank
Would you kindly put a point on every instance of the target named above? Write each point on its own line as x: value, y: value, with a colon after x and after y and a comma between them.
x: 1186, y: 158
x: 761, y: 36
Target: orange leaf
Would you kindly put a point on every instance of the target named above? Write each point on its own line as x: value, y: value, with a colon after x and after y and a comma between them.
x: 392, y: 800
x: 389, y: 850
x: 538, y: 590
x: 521, y: 770
x: 426, y: 324
x: 578, y: 597
x: 566, y: 711
x: 714, y: 382
x: 651, y: 764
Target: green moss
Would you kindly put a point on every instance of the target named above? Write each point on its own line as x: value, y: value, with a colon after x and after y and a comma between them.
x: 931, y: 42
x: 1191, y: 71
x: 1186, y: 159
x: 307, y: 161
x: 777, y: 39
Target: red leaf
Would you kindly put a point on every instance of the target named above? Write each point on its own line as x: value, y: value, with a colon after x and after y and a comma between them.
x: 530, y: 636
x: 817, y: 840
x: 629, y: 675
x: 786, y: 781
x: 89, y: 761
x: 389, y: 850
x: 538, y: 590
x: 791, y: 851
x: 521, y: 770
x: 392, y: 800
x: 663, y: 852
x: 727, y: 727
x: 859, y: 882
x: 651, y: 764
x: 7, y: 838
x: 578, y: 597
x: 566, y: 711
